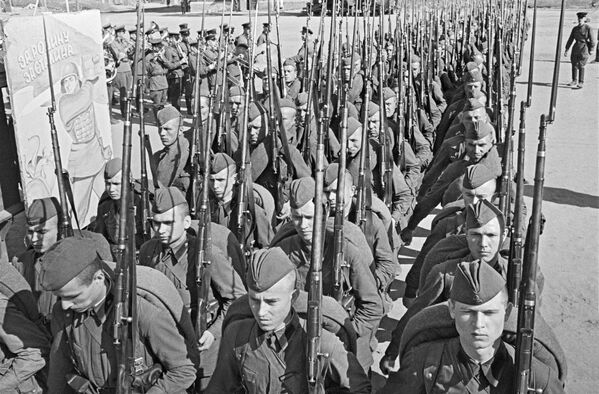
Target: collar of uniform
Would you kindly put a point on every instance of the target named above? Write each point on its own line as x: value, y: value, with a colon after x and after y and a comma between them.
x: 282, y: 335
x: 175, y: 253
x: 491, y: 369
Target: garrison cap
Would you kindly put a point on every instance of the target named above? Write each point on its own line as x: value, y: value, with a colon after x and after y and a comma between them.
x: 266, y: 268
x: 373, y: 108
x: 304, y: 29
x: 132, y: 29
x: 167, y: 113
x: 301, y: 192
x: 112, y: 167
x: 42, y: 209
x: 388, y: 93
x: 475, y: 283
x: 290, y: 62
x: 478, y: 129
x: 473, y: 76
x: 302, y: 99
x: 220, y: 161
x: 415, y: 59
x: 166, y: 198
x: 353, y: 125
x: 236, y: 90
x: 331, y: 175
x: 473, y: 104
x: 286, y: 103
x: 66, y: 259
x: 477, y: 175
x: 253, y: 111
x: 581, y: 15
x: 352, y: 111
x: 481, y: 213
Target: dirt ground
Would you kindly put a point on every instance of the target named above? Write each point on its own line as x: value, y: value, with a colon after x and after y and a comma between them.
x: 570, y: 243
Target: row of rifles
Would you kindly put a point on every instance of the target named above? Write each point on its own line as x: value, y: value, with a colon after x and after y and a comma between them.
x: 413, y: 28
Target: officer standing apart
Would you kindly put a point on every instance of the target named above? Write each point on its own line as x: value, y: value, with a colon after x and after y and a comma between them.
x: 584, y: 45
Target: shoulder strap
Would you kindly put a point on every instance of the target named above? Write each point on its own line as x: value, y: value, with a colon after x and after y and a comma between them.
x: 430, y: 365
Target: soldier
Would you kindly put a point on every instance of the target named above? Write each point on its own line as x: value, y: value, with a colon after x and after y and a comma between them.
x: 402, y: 196
x: 435, y: 103
x: 174, y: 253
x: 267, y: 353
x: 261, y: 40
x: 172, y: 162
x: 477, y: 360
x: 292, y: 82
x: 156, y: 70
x: 247, y: 28
x: 583, y: 48
x: 354, y: 96
x: 123, y: 81
x: 42, y: 232
x: 358, y: 282
x: 478, y: 183
x: 186, y: 44
x: 82, y: 353
x: 479, y: 137
x: 385, y: 255
x: 107, y: 218
x: 24, y: 338
x: 225, y: 198
x: 175, y: 61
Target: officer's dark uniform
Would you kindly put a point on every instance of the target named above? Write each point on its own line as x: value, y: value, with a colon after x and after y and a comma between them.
x: 123, y: 80
x: 584, y: 43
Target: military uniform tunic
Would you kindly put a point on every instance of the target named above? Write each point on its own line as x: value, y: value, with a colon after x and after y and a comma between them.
x: 253, y: 361
x: 172, y: 164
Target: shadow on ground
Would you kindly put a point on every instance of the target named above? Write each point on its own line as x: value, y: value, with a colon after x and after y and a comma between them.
x: 565, y: 196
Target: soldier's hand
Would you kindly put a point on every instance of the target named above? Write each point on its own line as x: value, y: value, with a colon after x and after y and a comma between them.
x: 206, y: 340
x: 387, y: 364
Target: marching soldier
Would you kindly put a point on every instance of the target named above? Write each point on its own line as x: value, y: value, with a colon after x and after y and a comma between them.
x: 361, y: 295
x: 584, y: 45
x: 172, y: 162
x: 478, y: 359
x: 174, y: 252
x: 42, y: 233
x: 82, y: 353
x: 266, y: 353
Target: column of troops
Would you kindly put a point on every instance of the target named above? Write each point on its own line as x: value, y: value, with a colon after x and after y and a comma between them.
x: 419, y: 131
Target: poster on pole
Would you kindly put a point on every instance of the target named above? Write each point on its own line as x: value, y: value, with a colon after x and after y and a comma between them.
x: 74, y: 44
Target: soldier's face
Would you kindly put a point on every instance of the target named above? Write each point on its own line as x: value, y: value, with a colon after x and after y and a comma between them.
x: 235, y: 104
x: 303, y: 221
x: 484, y: 241
x: 390, y: 106
x: 169, y: 132
x: 480, y: 326
x: 113, y: 186
x: 272, y: 306
x: 475, y: 115
x: 290, y: 73
x: 346, y: 73
x: 476, y: 149
x: 288, y: 115
x: 254, y: 130
x: 374, y: 125
x: 42, y: 236
x: 222, y: 183
x: 483, y: 192
x: 301, y: 113
x: 473, y: 89
x: 170, y: 226
x: 204, y: 107
x: 354, y: 143
x: 415, y: 68
x: 80, y: 297
x: 347, y: 196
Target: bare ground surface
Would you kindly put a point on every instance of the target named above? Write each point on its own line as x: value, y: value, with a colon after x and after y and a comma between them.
x: 568, y: 247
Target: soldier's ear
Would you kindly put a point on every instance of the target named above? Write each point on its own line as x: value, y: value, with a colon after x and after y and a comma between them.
x: 451, y: 306
x: 295, y: 295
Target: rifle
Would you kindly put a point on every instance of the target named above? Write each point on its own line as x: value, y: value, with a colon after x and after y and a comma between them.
x: 195, y: 134
x: 204, y: 241
x: 125, y: 295
x: 244, y: 186
x: 140, y: 50
x: 316, y: 359
x: 508, y: 150
x: 65, y: 229
x: 386, y: 166
x: 499, y: 86
x: 556, y: 67
x: 282, y: 85
x: 224, y: 141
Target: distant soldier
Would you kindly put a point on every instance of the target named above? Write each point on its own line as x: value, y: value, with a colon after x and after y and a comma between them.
x: 175, y: 61
x: 156, y: 70
x: 583, y: 48
x: 174, y: 253
x: 292, y: 82
x: 83, y: 353
x: 123, y: 48
x: 267, y: 353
